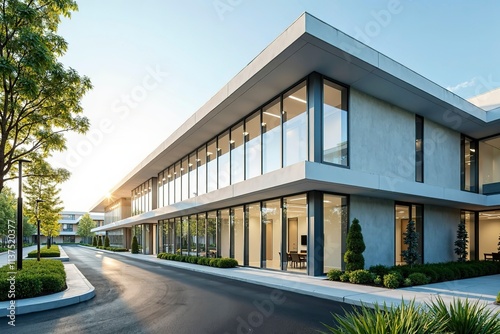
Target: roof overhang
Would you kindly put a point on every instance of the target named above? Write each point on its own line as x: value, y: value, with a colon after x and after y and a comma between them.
x: 310, y: 45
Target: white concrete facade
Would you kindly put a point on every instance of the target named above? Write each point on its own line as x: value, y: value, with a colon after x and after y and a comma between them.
x: 384, y: 99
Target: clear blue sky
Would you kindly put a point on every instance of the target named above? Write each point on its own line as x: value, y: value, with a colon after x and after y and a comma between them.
x: 154, y: 64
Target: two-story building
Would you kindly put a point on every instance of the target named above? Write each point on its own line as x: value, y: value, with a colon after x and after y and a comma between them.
x: 317, y: 130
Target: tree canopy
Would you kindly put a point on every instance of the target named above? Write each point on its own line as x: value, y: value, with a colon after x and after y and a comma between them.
x: 85, y: 225
x: 39, y: 97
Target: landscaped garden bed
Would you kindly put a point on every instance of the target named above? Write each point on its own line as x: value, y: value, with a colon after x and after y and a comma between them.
x: 53, y: 251
x: 37, y: 278
x: 206, y: 261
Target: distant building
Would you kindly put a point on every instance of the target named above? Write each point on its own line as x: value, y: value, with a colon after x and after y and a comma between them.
x: 317, y: 130
x: 69, y: 226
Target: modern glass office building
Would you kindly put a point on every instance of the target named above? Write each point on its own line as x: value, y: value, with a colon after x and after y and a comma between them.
x: 317, y: 130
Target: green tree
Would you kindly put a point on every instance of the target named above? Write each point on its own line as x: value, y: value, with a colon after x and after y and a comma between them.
x: 44, y: 186
x: 353, y: 257
x: 461, y: 242
x: 99, y: 241
x: 106, y: 242
x: 135, y: 245
x: 28, y: 229
x: 40, y: 99
x: 85, y: 226
x: 411, y: 254
x: 7, y: 212
x: 94, y: 241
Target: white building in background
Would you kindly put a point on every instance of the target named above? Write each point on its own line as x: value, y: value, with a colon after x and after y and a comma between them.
x: 317, y: 130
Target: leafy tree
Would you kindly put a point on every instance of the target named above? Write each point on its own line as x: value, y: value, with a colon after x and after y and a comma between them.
x: 39, y: 97
x: 7, y: 211
x: 44, y: 187
x: 135, y: 245
x: 411, y: 255
x: 85, y: 226
x: 28, y: 228
x: 106, y: 242
x: 353, y: 257
x: 461, y: 242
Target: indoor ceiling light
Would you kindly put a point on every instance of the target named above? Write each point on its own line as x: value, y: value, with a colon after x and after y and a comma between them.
x: 297, y: 99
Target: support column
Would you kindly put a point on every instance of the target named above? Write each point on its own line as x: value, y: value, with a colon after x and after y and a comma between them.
x: 315, y: 242
x: 315, y: 105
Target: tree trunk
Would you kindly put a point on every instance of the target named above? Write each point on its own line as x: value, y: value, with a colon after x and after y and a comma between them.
x: 48, y: 242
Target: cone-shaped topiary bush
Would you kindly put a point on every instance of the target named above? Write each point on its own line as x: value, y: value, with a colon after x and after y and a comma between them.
x: 99, y: 241
x: 135, y: 246
x: 94, y: 241
x: 411, y: 255
x: 461, y: 242
x: 106, y: 242
x: 353, y: 257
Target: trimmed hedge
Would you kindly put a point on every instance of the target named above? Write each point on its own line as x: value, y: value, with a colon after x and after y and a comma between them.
x: 46, y: 252
x: 396, y: 276
x: 223, y: 262
x: 37, y: 278
x: 113, y: 249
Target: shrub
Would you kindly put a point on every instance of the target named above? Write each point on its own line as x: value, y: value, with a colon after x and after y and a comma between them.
x: 379, y: 270
x: 227, y: 263
x: 411, y: 255
x: 392, y: 280
x: 498, y: 298
x: 46, y: 252
x: 214, y: 262
x: 418, y: 279
x: 463, y: 316
x: 361, y: 277
x: 106, y: 242
x: 355, y: 247
x: 99, y: 241
x: 135, y: 246
x: 344, y: 277
x: 461, y: 242
x: 94, y: 241
x: 334, y: 274
x: 378, y: 280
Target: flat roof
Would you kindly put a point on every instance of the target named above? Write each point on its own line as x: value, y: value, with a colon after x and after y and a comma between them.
x: 310, y: 45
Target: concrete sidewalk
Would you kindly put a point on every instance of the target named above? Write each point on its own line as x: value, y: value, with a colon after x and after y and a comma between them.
x: 78, y: 290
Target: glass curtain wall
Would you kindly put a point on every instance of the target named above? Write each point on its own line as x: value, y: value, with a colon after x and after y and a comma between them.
x: 192, y: 175
x: 335, y: 136
x: 271, y: 226
x: 238, y: 225
x: 184, y: 179
x: 212, y: 166
x: 202, y: 171
x: 271, y: 136
x: 225, y: 239
x: 212, y: 233
x: 335, y: 221
x: 185, y: 244
x: 224, y: 162
x: 201, y: 237
x: 178, y: 235
x: 489, y: 232
x: 237, y: 153
x: 469, y: 165
x: 171, y: 185
x: 178, y: 187
x: 295, y: 135
x: 254, y: 234
x: 193, y: 235
x: 252, y: 146
x: 489, y: 166
x: 469, y: 219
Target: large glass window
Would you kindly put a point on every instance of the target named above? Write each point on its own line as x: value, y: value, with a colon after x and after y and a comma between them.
x: 160, y: 189
x: 254, y: 234
x: 469, y: 165
x: 295, y: 125
x: 171, y: 185
x: 201, y: 238
x: 193, y: 235
x: 237, y: 154
x: 489, y: 166
x: 489, y: 230
x: 271, y: 223
x: 252, y: 146
x: 185, y: 179
x: 212, y: 165
x: 178, y: 235
x: 335, y: 218
x: 335, y: 136
x: 469, y: 219
x: 192, y: 175
x: 239, y: 235
x: 419, y: 149
x: 225, y: 238
x: 177, y: 176
x: 271, y: 136
x: 202, y: 170
x: 404, y: 213
x: 212, y: 233
x: 295, y: 208
x: 185, y: 236
x: 223, y: 156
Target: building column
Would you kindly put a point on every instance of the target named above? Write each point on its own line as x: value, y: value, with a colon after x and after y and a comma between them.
x: 315, y: 105
x: 315, y: 242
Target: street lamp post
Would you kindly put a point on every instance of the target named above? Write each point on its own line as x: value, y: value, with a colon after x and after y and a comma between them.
x: 20, y: 217
x: 38, y: 230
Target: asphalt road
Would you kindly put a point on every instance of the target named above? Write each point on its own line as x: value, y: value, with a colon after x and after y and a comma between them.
x: 141, y: 297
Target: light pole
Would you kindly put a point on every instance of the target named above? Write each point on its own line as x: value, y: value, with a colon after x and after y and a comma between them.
x: 38, y: 230
x: 20, y: 217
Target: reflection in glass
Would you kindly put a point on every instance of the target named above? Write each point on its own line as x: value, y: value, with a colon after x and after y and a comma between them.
x: 184, y: 179
x: 271, y: 136
x: 212, y: 233
x: 224, y: 233
x: 334, y: 224
x: 202, y: 170
x: 171, y: 185
x: 212, y: 165
x: 295, y: 125
x: 335, y: 145
x: 252, y: 145
x: 271, y: 223
x: 239, y: 237
x: 237, y: 154
x: 202, y: 241
x: 192, y: 175
x: 177, y: 176
x: 254, y: 234
x: 223, y: 156
x: 185, y: 236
